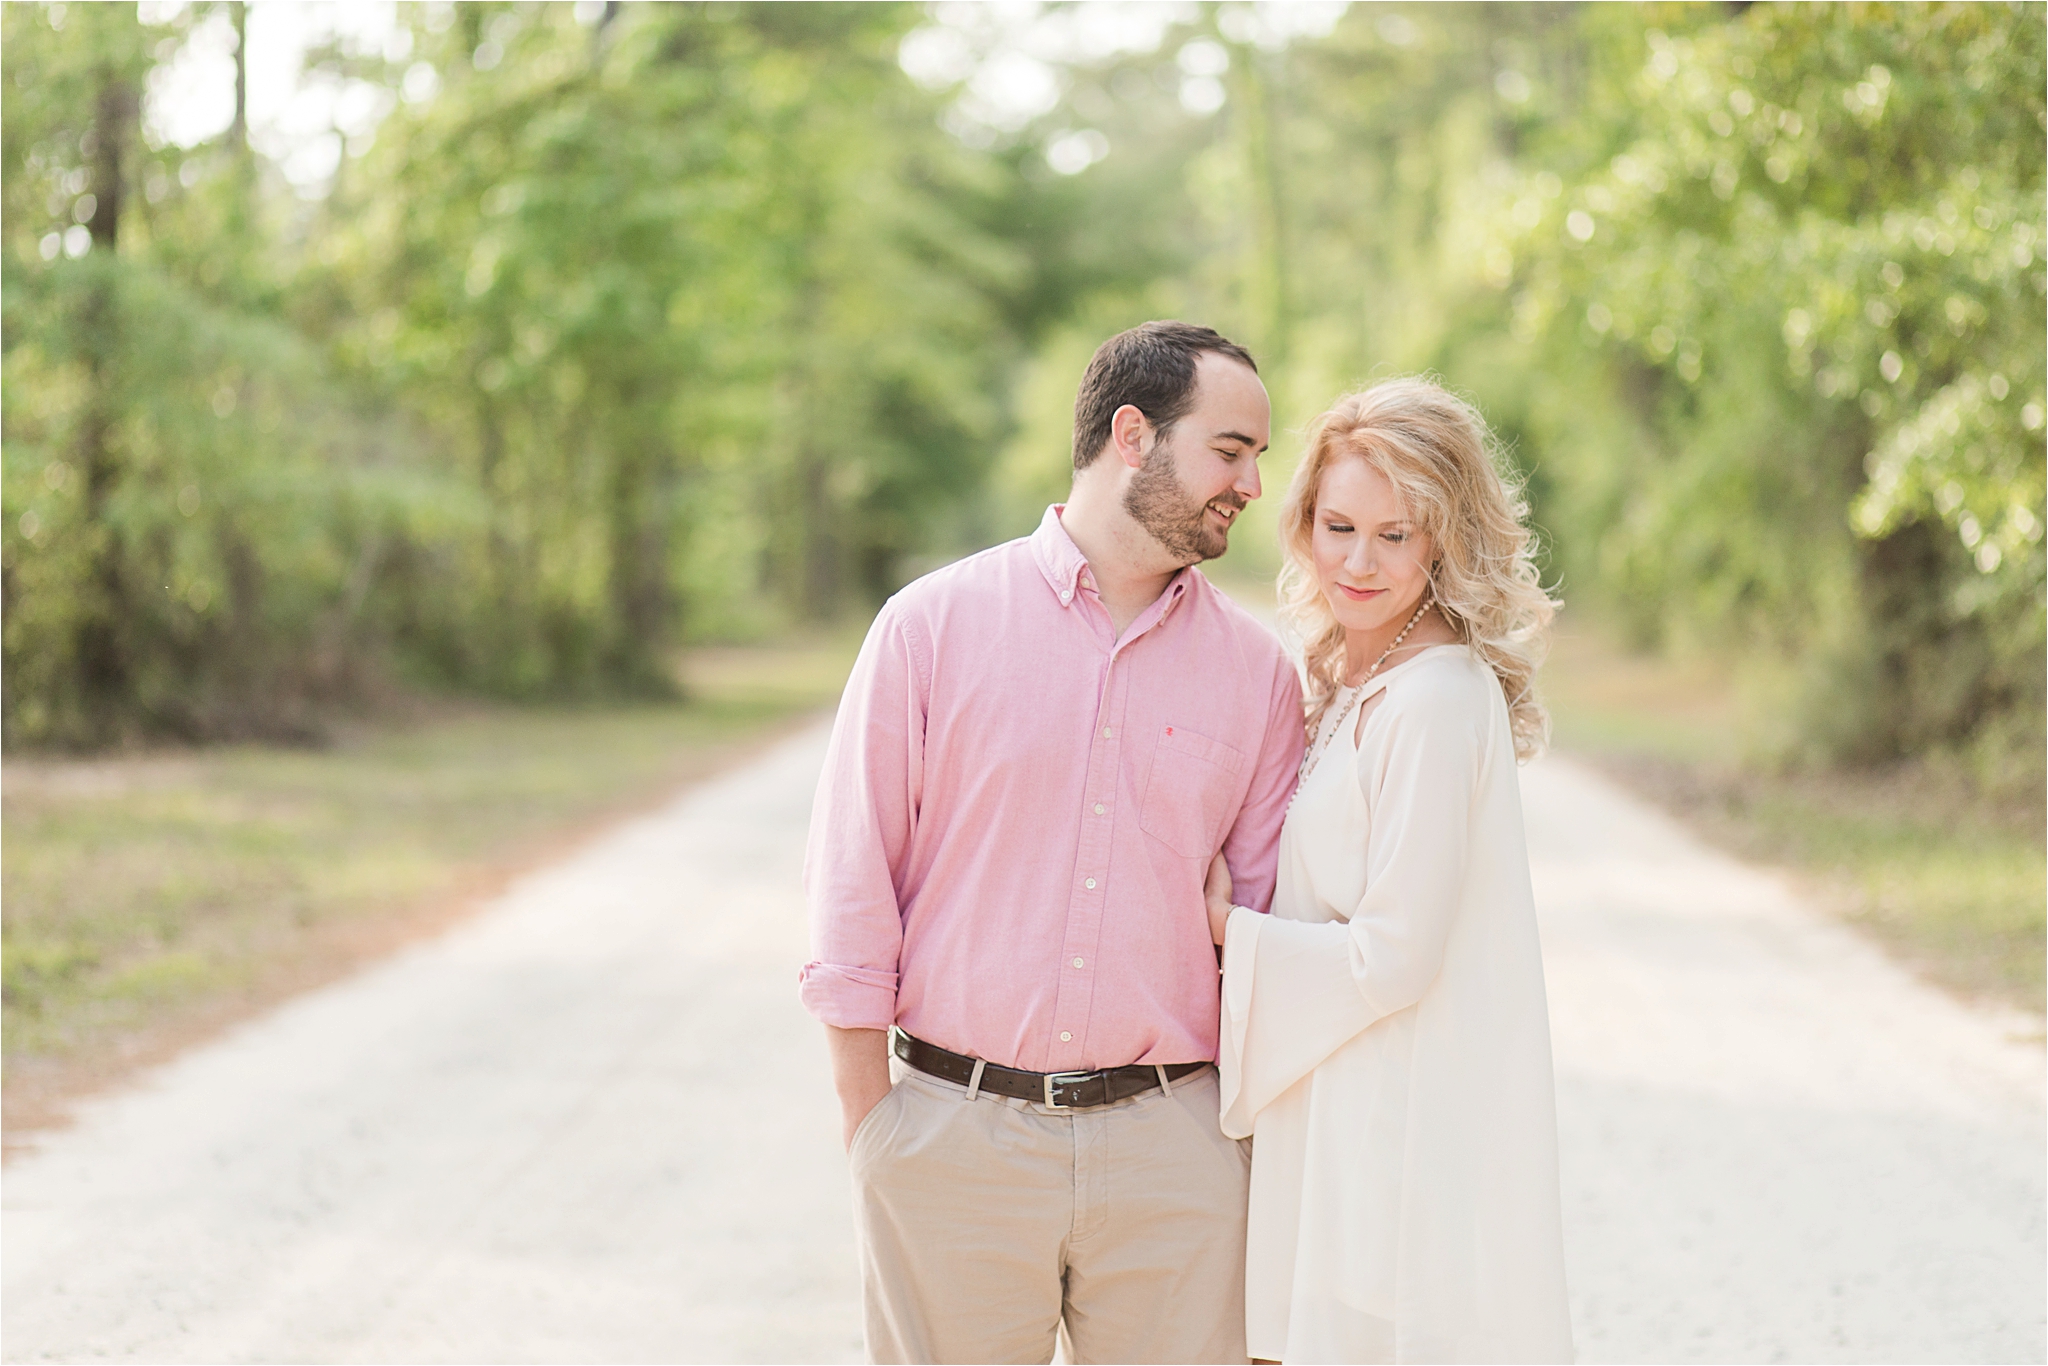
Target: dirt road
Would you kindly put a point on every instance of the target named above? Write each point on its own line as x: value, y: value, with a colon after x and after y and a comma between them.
x: 592, y: 1124
x: 1777, y: 1145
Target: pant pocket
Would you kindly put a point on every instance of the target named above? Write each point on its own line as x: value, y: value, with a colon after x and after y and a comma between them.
x: 870, y: 1125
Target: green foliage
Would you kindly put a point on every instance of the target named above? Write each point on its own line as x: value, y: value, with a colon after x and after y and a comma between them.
x: 696, y: 319
x: 1802, y: 258
x: 1755, y: 294
x: 672, y: 326
x: 245, y: 519
x: 708, y: 261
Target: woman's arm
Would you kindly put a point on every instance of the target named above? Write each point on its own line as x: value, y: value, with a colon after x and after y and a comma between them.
x: 1419, y: 848
x: 1294, y: 992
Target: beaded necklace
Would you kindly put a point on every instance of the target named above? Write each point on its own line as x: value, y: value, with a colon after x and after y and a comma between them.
x: 1348, y: 696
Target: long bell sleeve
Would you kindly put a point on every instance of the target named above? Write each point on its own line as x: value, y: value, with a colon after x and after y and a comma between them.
x: 1296, y: 991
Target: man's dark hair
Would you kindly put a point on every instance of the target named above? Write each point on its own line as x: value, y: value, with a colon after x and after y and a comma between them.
x: 1152, y: 368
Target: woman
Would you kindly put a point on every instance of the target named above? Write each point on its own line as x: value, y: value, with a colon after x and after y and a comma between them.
x: 1384, y: 1030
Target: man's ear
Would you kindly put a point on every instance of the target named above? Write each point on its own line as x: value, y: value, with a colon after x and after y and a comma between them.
x: 1130, y: 435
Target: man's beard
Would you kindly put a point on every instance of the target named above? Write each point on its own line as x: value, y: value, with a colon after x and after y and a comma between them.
x: 1158, y: 503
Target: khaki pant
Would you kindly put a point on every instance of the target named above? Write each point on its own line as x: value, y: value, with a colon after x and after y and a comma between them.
x: 986, y: 1224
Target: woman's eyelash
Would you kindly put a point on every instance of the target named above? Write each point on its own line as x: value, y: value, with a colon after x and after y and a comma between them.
x: 1390, y: 537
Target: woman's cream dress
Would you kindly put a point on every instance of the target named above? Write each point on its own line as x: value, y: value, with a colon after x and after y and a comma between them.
x: 1386, y: 1039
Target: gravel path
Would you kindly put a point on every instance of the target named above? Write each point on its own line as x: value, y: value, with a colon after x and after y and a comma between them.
x: 593, y: 1125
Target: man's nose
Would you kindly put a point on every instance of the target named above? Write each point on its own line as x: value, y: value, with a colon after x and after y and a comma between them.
x: 1247, y: 484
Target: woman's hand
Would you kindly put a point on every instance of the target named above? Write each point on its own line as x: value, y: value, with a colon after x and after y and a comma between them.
x: 1216, y: 891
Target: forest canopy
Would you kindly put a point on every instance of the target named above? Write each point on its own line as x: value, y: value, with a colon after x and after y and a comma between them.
x: 632, y: 325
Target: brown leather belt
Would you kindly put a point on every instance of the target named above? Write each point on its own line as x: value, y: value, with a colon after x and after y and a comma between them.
x: 1060, y: 1090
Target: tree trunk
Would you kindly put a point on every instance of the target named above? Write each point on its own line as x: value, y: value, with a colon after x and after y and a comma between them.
x: 824, y: 557
x: 641, y: 627
x: 103, y: 653
x: 238, y: 131
x: 1268, y: 285
x: 113, y: 127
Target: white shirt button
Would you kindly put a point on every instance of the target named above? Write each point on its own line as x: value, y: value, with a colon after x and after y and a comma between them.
x: 1066, y: 596
x: 1066, y: 1037
x: 1079, y: 963
x: 1107, y: 732
x: 1091, y: 884
x: 1098, y: 808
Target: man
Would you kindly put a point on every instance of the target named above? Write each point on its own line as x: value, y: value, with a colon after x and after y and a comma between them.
x: 1039, y: 752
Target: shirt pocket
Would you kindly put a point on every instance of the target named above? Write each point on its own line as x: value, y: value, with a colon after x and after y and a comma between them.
x: 1192, y: 788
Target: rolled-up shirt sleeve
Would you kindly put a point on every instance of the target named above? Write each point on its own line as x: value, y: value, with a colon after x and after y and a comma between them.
x: 861, y: 826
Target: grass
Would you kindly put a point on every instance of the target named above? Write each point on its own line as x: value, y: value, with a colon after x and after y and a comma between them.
x: 151, y: 898
x: 1953, y: 881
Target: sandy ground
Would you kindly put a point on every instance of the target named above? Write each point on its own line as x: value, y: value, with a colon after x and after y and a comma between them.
x: 593, y: 1125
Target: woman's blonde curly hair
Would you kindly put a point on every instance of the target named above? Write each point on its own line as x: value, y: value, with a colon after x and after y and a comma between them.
x: 1434, y: 448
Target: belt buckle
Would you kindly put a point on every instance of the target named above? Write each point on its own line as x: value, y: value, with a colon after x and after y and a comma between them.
x: 1055, y: 1080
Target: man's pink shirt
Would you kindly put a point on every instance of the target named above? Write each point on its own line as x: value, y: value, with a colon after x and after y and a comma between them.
x: 1018, y: 810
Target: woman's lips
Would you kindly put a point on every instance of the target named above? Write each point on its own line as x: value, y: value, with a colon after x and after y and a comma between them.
x: 1360, y: 594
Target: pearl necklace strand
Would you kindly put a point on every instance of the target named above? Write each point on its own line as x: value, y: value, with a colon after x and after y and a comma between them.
x: 1352, y: 692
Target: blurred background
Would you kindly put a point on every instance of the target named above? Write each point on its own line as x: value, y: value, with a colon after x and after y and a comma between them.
x: 433, y: 429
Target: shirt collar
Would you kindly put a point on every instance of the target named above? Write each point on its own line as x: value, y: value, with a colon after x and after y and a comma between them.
x: 1062, y: 563
x: 1059, y: 559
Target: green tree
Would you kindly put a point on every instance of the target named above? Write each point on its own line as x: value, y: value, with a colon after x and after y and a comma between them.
x: 676, y: 323
x: 1797, y: 255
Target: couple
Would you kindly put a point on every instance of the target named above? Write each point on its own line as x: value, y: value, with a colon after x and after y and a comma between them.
x: 1052, y: 757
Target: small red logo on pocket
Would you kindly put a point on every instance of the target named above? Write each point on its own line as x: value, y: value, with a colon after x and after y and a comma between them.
x: 1169, y: 730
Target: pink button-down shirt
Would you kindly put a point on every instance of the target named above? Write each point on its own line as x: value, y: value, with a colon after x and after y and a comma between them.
x: 1018, y: 810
